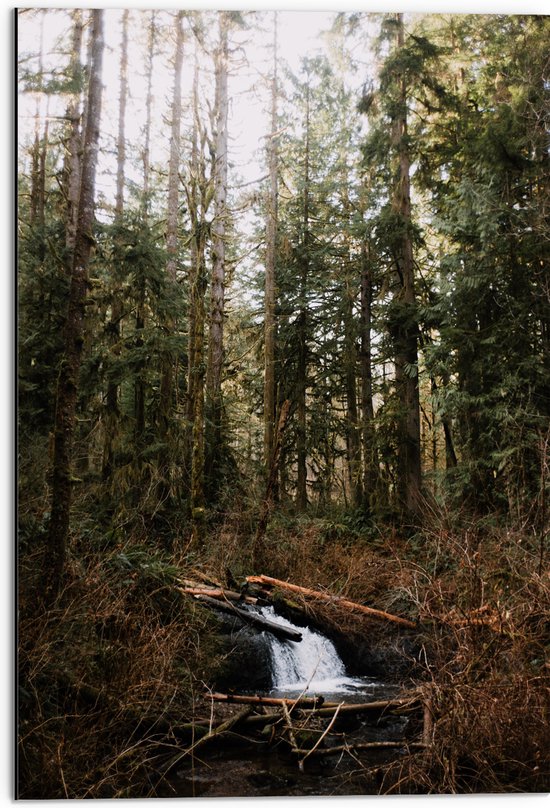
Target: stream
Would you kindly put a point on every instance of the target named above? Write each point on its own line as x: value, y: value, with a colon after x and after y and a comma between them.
x: 310, y: 667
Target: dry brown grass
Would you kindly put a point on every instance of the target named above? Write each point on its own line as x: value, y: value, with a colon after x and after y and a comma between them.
x: 103, y: 674
x: 484, y: 613
x: 482, y: 599
x: 121, y: 655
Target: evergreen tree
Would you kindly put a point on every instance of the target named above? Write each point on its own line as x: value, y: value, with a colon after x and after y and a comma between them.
x: 485, y: 162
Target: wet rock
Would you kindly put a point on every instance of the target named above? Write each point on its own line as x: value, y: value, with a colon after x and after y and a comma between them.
x: 380, y: 652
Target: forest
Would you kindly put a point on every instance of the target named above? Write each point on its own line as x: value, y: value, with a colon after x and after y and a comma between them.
x: 283, y: 331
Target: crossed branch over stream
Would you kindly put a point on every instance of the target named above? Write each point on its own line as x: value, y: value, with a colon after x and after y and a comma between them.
x: 298, y: 724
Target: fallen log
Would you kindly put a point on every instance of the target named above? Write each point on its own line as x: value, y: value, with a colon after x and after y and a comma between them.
x: 347, y: 604
x: 221, y: 594
x: 225, y: 726
x: 252, y: 617
x: 336, y: 750
x: 271, y: 701
x: 207, y: 579
x: 364, y: 707
x: 317, y: 704
x: 262, y: 720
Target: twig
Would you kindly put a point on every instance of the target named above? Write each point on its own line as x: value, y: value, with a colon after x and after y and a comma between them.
x: 323, y: 736
x: 221, y: 728
x: 291, y: 735
x: 336, y: 750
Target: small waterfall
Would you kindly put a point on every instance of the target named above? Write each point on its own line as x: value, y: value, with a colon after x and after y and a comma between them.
x: 312, y: 665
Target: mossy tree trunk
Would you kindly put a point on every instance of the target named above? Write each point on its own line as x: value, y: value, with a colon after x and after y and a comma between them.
x: 302, y: 327
x: 353, y: 438
x: 198, y: 193
x: 368, y: 435
x: 405, y: 327
x: 214, y: 401
x: 67, y: 388
x: 114, y: 326
x: 139, y: 383
x: 168, y: 370
x: 270, y: 290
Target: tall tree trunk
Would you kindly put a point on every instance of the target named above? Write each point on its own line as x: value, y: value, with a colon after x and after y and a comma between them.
x: 217, y: 285
x: 270, y: 291
x: 193, y: 205
x: 148, y: 107
x: 301, y: 387
x: 139, y: 383
x: 405, y: 328
x: 353, y: 438
x: 68, y: 377
x: 302, y: 326
x: 197, y: 202
x: 174, y: 160
x: 198, y: 504
x: 121, y: 141
x: 42, y: 186
x: 38, y: 161
x: 111, y: 402
x: 74, y: 145
x: 198, y: 501
x: 370, y: 455
x: 172, y: 244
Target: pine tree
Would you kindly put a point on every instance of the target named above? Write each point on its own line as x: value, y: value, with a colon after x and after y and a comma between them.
x: 481, y: 184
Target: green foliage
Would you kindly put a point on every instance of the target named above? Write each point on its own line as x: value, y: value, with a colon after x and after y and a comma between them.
x: 42, y: 299
x: 476, y: 104
x: 151, y: 567
x: 488, y: 334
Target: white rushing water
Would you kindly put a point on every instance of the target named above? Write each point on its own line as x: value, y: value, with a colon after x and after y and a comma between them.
x: 312, y: 665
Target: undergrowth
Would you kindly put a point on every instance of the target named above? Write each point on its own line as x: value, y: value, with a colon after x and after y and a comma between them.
x: 109, y: 673
x: 106, y: 673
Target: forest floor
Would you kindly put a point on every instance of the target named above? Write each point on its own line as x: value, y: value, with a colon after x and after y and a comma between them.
x: 112, y: 677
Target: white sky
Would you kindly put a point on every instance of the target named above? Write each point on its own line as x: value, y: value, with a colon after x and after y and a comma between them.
x: 298, y: 36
